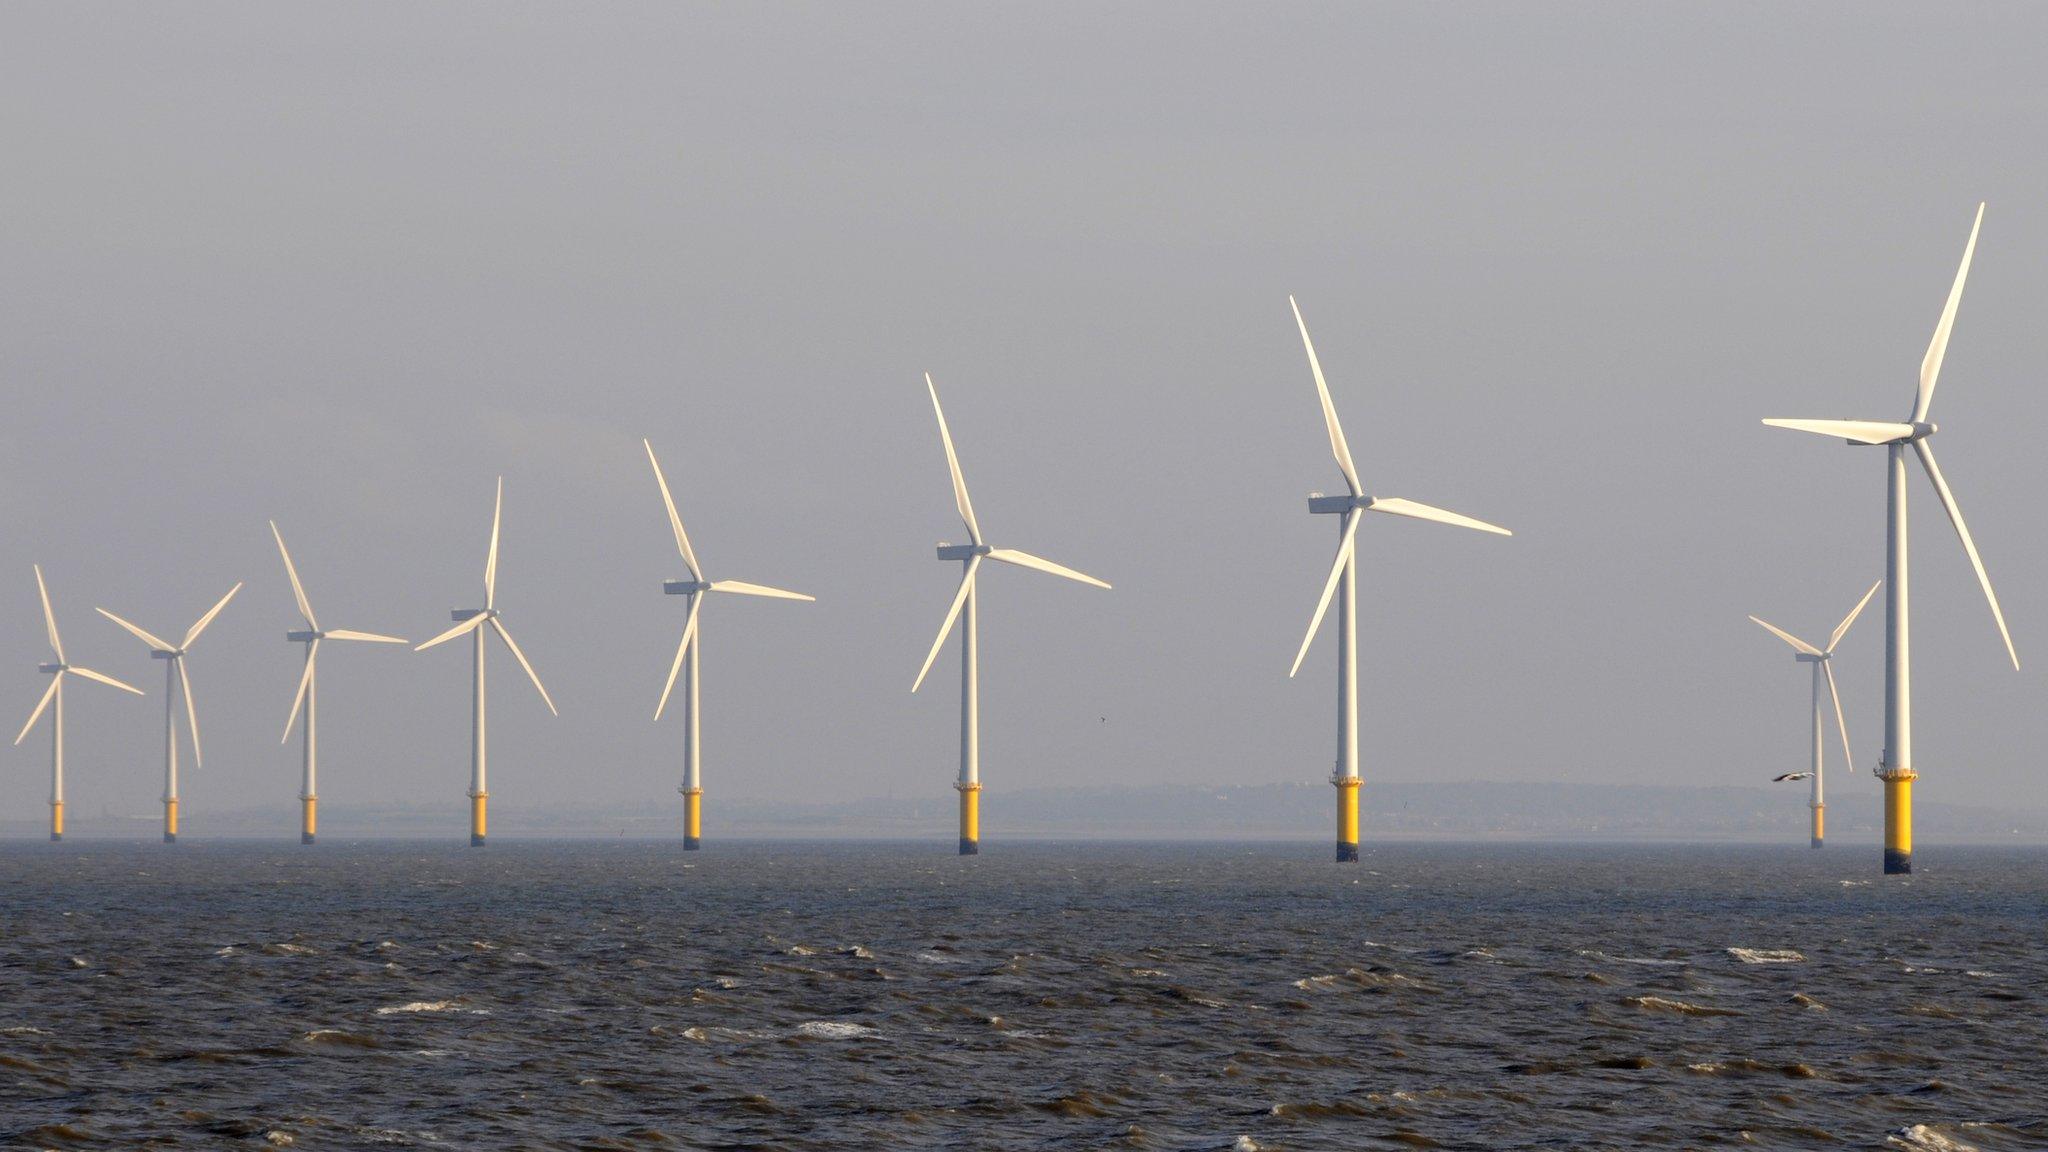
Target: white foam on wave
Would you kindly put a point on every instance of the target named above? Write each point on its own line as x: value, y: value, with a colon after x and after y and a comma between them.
x: 1922, y: 1136
x: 935, y: 958
x: 833, y: 1030
x: 429, y: 1006
x: 22, y: 1030
x: 1766, y: 955
x: 1595, y: 954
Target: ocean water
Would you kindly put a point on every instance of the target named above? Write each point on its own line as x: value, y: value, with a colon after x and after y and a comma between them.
x: 754, y: 995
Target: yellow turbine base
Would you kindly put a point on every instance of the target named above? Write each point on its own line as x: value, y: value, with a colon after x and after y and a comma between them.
x: 1347, y: 817
x: 1898, y: 819
x: 970, y: 818
x: 1819, y: 822
x: 309, y: 821
x: 693, y: 817
x: 57, y: 820
x: 478, y: 824
x: 170, y: 820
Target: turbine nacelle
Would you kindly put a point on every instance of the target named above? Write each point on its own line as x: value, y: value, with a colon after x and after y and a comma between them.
x: 963, y: 551
x: 166, y: 653
x: 461, y: 614
x: 685, y: 587
x: 51, y: 669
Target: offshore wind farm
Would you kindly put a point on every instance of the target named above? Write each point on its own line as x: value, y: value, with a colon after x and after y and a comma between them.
x: 284, y: 289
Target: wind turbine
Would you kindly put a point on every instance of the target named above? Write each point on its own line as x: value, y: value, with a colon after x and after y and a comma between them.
x: 1896, y: 767
x: 55, y: 694
x: 472, y: 621
x: 309, y: 687
x: 693, y: 784
x: 1344, y: 571
x: 970, y: 556
x: 1822, y: 669
x: 177, y: 683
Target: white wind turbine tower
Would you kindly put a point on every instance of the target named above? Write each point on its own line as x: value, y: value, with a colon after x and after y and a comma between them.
x: 309, y: 689
x: 177, y: 684
x: 55, y: 694
x: 687, y: 651
x: 970, y: 556
x: 1344, y: 571
x: 1896, y: 768
x: 1823, y: 668
x: 472, y: 621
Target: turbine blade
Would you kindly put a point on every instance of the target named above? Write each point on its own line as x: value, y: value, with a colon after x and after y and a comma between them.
x: 1937, y: 348
x: 1027, y: 560
x: 49, y: 616
x: 370, y: 637
x: 1848, y: 757
x: 1788, y: 638
x: 470, y: 624
x: 203, y: 621
x: 742, y: 588
x: 952, y: 614
x: 1860, y: 431
x: 675, y: 522
x: 299, y: 697
x: 1842, y: 629
x: 89, y: 674
x: 1338, y: 447
x: 521, y: 657
x: 491, y: 561
x: 49, y: 694
x: 682, y: 649
x: 1955, y: 517
x: 960, y: 499
x: 139, y: 634
x: 298, y: 590
x: 191, y: 712
x: 1344, y: 555
x: 1400, y: 507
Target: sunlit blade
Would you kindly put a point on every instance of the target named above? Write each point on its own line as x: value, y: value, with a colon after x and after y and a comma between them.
x: 299, y: 697
x: 1861, y: 431
x: 1337, y: 445
x: 521, y: 657
x: 1842, y: 629
x: 491, y: 562
x: 49, y: 694
x: 952, y: 614
x: 1788, y: 638
x: 1027, y: 560
x: 1344, y: 555
x: 1400, y: 507
x: 742, y: 588
x: 1937, y: 348
x: 960, y: 500
x: 675, y: 521
x: 474, y: 622
x: 298, y: 590
x: 370, y: 637
x: 200, y: 626
x: 139, y: 634
x: 49, y: 616
x: 89, y: 674
x: 1848, y: 757
x: 1955, y: 517
x: 191, y: 712
x: 682, y: 650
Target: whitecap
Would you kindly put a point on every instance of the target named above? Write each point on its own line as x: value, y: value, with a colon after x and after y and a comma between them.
x: 429, y: 1006
x: 935, y: 958
x: 1766, y: 955
x: 1922, y: 1136
x: 833, y: 1030
x: 22, y: 1030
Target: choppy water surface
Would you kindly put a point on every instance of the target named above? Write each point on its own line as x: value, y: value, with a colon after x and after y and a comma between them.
x: 1175, y: 997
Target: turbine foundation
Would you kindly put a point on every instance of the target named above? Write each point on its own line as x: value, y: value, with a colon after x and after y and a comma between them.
x: 970, y: 819
x: 693, y: 819
x: 308, y: 820
x: 1347, y: 818
x: 477, y: 825
x: 56, y: 820
x: 1819, y: 820
x: 170, y: 821
x: 1898, y: 820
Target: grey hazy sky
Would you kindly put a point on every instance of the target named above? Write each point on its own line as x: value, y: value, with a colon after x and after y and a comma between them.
x: 341, y: 266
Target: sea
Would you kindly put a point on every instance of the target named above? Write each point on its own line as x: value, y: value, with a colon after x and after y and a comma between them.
x: 759, y: 995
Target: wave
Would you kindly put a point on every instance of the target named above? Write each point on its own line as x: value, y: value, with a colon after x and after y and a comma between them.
x: 834, y: 1030
x: 430, y: 1006
x: 1651, y: 961
x: 1677, y: 1007
x: 1922, y: 1136
x: 1766, y: 955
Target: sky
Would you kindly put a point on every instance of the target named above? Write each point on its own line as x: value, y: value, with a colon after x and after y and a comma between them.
x: 344, y: 266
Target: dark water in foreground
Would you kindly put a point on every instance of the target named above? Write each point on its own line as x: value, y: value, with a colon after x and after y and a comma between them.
x: 608, y: 995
